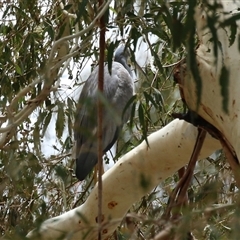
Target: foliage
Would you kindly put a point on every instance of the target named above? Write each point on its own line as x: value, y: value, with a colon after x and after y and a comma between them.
x: 36, y: 185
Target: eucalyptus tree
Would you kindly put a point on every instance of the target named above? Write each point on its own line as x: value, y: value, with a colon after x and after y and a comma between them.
x: 44, y: 42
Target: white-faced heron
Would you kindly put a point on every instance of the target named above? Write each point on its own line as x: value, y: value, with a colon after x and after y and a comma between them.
x: 118, y: 89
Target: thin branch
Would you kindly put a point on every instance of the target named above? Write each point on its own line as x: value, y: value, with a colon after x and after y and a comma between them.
x: 19, y: 117
x: 178, y: 195
x: 70, y: 15
x: 100, y: 117
x: 75, y: 51
x: 79, y: 34
x: 23, y: 93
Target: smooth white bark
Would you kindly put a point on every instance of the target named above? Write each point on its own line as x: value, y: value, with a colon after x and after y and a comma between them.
x: 211, y: 100
x: 133, y: 176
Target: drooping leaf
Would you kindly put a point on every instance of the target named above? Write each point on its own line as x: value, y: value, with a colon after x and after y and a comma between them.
x: 190, y: 45
x: 60, y: 122
x: 61, y: 173
x: 129, y: 104
x: 232, y: 37
x: 46, y: 122
x: 148, y: 97
x: 33, y: 162
x: 142, y: 121
x: 81, y: 10
x: 224, y: 83
x: 132, y: 114
x: 110, y: 52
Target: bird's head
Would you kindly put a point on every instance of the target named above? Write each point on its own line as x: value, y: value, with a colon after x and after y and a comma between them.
x: 122, y: 52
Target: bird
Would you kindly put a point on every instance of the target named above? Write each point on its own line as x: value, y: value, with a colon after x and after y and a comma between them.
x: 118, y: 89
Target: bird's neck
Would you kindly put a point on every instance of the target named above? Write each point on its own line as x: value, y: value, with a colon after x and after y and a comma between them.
x: 124, y: 63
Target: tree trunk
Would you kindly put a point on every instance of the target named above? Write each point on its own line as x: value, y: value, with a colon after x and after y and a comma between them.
x: 211, y: 69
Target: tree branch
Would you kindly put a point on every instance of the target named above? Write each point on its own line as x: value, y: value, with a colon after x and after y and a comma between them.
x: 134, y: 175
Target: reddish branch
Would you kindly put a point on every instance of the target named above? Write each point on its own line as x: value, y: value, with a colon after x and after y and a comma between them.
x: 100, y: 89
x: 178, y: 196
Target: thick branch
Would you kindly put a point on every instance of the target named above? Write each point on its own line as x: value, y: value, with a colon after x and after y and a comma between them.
x: 133, y: 176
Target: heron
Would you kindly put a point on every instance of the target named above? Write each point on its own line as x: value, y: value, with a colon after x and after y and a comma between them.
x: 117, y: 91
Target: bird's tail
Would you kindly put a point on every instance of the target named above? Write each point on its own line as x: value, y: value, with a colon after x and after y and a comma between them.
x: 85, y: 162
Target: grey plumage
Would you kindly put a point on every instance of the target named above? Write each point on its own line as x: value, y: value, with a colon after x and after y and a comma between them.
x: 118, y: 89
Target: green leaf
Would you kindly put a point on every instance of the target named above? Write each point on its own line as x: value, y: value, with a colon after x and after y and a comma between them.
x: 157, y: 60
x: 67, y: 7
x: 158, y: 97
x: 129, y: 103
x: 142, y: 121
x: 67, y: 145
x: 224, y: 83
x: 148, y: 97
x: 70, y: 114
x: 46, y: 122
x: 239, y: 42
x: 232, y: 37
x: 81, y: 10
x: 110, y: 52
x: 49, y: 29
x: 60, y: 123
x: 34, y: 163
x: 36, y: 136
x: 231, y: 20
x: 6, y: 11
x: 132, y: 114
x: 190, y: 45
x: 61, y: 172
x: 211, y: 24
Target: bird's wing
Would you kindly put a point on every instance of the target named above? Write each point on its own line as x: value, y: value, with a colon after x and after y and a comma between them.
x: 118, y: 89
x: 85, y: 118
x: 85, y: 127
